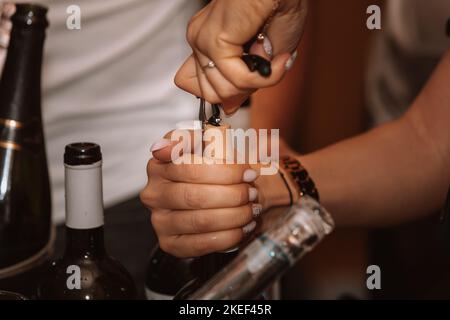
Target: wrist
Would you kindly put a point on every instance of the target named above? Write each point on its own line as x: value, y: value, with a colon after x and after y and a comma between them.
x: 272, y: 191
x: 297, y: 178
x: 291, y: 182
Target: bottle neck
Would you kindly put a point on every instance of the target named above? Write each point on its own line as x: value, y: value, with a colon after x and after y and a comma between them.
x: 84, y: 196
x: 84, y: 209
x: 20, y: 84
x: 87, y: 243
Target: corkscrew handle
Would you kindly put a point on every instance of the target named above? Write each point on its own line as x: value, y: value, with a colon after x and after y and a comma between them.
x: 257, y: 63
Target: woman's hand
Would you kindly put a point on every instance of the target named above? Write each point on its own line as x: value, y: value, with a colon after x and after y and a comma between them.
x: 198, y: 209
x: 219, y: 32
x: 203, y: 208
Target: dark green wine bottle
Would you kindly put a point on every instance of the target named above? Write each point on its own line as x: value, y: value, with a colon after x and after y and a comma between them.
x: 25, y: 206
x: 86, y: 271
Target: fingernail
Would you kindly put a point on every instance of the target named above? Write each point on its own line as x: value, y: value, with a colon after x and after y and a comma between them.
x: 232, y: 114
x: 290, y: 62
x: 257, y: 210
x: 230, y: 250
x: 160, y: 144
x: 267, y: 45
x: 249, y: 228
x: 250, y: 175
x: 252, y: 194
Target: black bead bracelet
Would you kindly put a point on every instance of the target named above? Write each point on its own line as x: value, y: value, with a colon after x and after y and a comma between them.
x: 300, y: 176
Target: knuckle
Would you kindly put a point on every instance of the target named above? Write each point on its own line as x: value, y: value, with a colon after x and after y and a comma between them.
x: 151, y: 167
x: 200, y: 222
x: 192, y: 197
x: 192, y: 31
x: 200, y: 247
x: 146, y: 197
x: 166, y: 245
x: 179, y: 80
x: 143, y: 197
x: 157, y: 220
x: 203, y: 40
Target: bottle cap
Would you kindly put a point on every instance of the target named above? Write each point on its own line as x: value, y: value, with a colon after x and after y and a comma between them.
x: 82, y: 153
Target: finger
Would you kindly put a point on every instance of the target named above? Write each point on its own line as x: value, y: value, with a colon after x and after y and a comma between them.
x: 200, y: 244
x: 223, y: 174
x: 236, y: 71
x: 186, y: 77
x: 224, y: 88
x: 203, y: 221
x: 287, y: 39
x: 186, y: 196
x: 162, y: 150
x: 263, y: 49
x: 177, y: 142
x: 207, y: 90
x: 187, y: 80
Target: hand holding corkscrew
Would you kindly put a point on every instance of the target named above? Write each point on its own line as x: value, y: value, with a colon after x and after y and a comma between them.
x: 218, y: 69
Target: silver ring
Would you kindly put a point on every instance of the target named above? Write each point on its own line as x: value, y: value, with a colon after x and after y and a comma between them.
x: 210, y: 65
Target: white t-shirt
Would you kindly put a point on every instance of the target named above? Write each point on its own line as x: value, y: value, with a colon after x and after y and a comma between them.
x: 406, y: 51
x: 112, y: 83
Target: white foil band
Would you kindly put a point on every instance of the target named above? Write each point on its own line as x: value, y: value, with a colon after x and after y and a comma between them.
x: 84, y: 196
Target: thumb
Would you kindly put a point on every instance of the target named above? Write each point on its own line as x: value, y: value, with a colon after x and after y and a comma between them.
x: 162, y: 149
x: 174, y: 144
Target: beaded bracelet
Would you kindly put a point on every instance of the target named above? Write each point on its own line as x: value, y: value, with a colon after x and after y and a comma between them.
x: 302, y: 182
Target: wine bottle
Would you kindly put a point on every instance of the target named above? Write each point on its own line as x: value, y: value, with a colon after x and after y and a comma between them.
x: 25, y: 206
x: 166, y: 275
x: 86, y: 271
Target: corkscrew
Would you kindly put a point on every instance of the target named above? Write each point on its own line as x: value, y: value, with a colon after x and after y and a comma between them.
x: 254, y: 63
x: 215, y: 119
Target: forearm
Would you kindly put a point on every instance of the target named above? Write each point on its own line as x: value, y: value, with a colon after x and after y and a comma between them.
x: 395, y: 173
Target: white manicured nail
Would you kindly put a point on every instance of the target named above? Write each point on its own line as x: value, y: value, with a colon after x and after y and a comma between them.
x: 252, y: 194
x: 249, y: 228
x: 231, y: 250
x: 290, y: 62
x: 250, y: 175
x: 267, y: 45
x: 160, y: 144
x: 257, y: 210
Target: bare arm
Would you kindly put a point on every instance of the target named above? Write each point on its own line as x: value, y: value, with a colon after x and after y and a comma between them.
x: 396, y: 172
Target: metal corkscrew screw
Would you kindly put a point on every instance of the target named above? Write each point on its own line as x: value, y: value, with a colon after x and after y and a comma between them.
x: 254, y: 63
x: 214, y: 120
